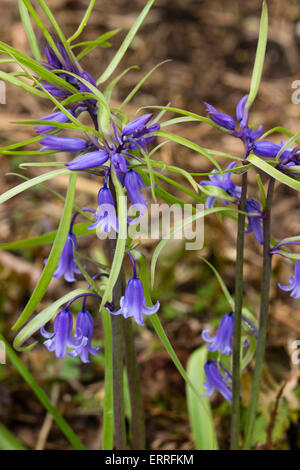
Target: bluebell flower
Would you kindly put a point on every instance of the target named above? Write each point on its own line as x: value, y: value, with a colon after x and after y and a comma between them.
x: 133, y: 303
x: 255, y: 224
x: 266, y: 149
x: 119, y: 163
x: 242, y: 131
x: 84, y: 334
x: 88, y: 160
x: 222, y: 342
x: 294, y: 285
x: 67, y: 266
x: 61, y: 338
x: 135, y: 132
x: 224, y: 182
x: 67, y: 64
x: 106, y: 214
x: 63, y: 144
x: 133, y: 184
x: 222, y: 119
x: 214, y: 379
x: 59, y: 116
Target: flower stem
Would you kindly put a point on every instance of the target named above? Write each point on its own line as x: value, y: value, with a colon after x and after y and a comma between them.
x: 136, y: 399
x: 236, y: 360
x: 117, y: 326
x: 264, y: 305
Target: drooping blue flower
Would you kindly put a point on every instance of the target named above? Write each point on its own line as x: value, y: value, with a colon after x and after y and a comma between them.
x: 106, y: 215
x: 133, y: 303
x: 224, y: 182
x: 255, y: 224
x: 88, y: 160
x: 84, y: 334
x: 294, y: 283
x: 67, y: 266
x: 59, y: 116
x: 135, y: 132
x: 241, y: 129
x: 133, y: 184
x: 266, y: 149
x: 63, y: 144
x: 222, y: 119
x: 214, y: 379
x: 61, y: 338
x: 222, y: 342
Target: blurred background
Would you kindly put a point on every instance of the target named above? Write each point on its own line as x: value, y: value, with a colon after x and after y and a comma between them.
x: 211, y: 44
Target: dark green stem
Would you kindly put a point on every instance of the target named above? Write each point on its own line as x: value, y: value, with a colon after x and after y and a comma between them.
x: 136, y: 398
x: 236, y: 360
x: 117, y: 326
x: 263, y: 321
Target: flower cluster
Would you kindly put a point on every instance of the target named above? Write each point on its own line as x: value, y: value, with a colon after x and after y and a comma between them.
x: 101, y: 157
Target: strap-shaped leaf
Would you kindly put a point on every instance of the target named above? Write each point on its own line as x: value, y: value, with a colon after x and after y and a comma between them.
x: 54, y: 255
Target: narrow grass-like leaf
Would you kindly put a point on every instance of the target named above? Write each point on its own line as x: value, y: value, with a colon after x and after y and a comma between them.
x: 259, y: 57
x: 29, y: 30
x: 126, y: 43
x: 42, y: 318
x: 7, y: 77
x: 262, y: 192
x: 54, y: 256
x: 189, y: 144
x: 8, y: 441
x: 200, y: 421
x: 83, y: 22
x: 109, y: 89
x: 140, y: 84
x: 30, y: 183
x: 271, y: 171
x: 42, y: 397
x: 178, y: 228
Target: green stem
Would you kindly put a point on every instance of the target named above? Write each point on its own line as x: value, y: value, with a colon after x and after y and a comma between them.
x: 117, y: 326
x: 236, y: 359
x: 263, y: 322
x: 136, y: 398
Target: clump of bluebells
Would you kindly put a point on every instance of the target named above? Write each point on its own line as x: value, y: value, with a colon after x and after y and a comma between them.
x: 116, y: 149
x: 220, y: 187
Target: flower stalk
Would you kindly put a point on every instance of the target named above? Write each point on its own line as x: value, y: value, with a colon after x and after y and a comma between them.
x: 236, y: 359
x: 263, y: 322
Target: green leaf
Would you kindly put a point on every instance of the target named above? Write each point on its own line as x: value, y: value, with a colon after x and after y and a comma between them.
x: 200, y: 421
x: 83, y: 23
x: 189, y: 144
x: 56, y: 28
x: 179, y: 227
x: 109, y: 89
x: 54, y: 256
x: 262, y: 192
x: 271, y: 171
x: 195, y: 116
x: 29, y: 30
x: 42, y: 318
x: 32, y: 182
x: 8, y: 441
x: 42, y: 397
x: 78, y: 230
x: 140, y: 84
x: 7, y: 77
x: 259, y: 57
x: 126, y: 43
